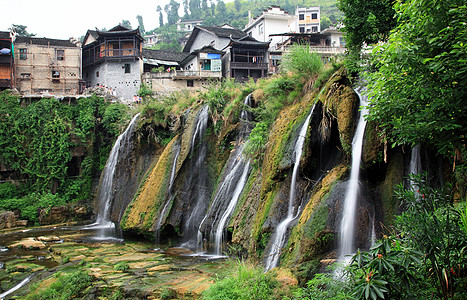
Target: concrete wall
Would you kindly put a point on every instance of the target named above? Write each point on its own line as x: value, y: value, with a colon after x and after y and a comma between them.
x: 205, y: 38
x: 112, y: 75
x: 168, y: 85
x: 34, y: 74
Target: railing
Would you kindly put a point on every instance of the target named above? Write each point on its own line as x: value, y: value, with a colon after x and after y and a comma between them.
x: 181, y: 74
x: 5, y: 83
x: 248, y: 65
x: 111, y: 54
x: 327, y: 49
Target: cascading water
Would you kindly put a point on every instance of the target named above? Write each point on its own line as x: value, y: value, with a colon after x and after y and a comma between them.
x: 280, y: 234
x: 230, y: 188
x: 165, y: 209
x: 228, y: 212
x: 105, y: 193
x: 347, y: 225
x: 196, y: 212
x: 415, y: 166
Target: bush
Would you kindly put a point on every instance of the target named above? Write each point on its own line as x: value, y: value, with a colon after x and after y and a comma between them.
x: 247, y: 283
x: 66, y: 286
x: 121, y: 266
x: 303, y: 62
x: 30, y: 204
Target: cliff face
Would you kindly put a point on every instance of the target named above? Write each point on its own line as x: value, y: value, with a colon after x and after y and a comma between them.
x: 180, y: 188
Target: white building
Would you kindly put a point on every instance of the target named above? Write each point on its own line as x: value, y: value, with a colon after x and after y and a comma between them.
x: 187, y: 25
x: 309, y: 19
x: 271, y: 21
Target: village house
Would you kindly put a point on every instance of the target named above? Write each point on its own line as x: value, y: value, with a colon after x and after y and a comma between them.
x: 113, y: 59
x: 188, y: 25
x: 46, y: 66
x: 244, y: 57
x: 272, y: 21
x: 168, y: 71
x: 6, y: 61
x: 309, y: 19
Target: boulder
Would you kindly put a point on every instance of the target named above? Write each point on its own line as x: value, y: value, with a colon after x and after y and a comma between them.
x: 7, y: 219
x: 29, y: 243
x: 54, y: 215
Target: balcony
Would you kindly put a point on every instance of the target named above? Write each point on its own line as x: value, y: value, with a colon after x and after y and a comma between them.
x: 248, y: 65
x: 5, y: 83
x: 110, y: 54
x: 327, y: 49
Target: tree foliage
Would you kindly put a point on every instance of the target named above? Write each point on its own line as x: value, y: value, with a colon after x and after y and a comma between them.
x: 37, y: 140
x: 418, y: 90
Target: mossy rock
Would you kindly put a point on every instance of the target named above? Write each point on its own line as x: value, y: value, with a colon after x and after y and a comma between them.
x: 394, y: 176
x: 341, y: 102
x: 311, y: 237
x: 142, y: 212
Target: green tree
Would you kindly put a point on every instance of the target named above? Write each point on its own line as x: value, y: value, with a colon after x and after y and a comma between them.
x: 161, y: 17
x: 418, y: 90
x: 126, y: 24
x: 238, y: 5
x: 140, y: 23
x: 21, y: 30
x: 221, y: 9
x: 366, y: 22
x: 171, y: 10
x: 195, y: 9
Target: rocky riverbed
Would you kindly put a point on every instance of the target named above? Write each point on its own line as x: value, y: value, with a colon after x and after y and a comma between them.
x: 117, y: 269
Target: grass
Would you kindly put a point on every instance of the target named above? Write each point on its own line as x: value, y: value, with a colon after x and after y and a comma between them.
x: 247, y: 282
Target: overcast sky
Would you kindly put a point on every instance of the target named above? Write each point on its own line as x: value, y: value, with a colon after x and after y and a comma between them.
x: 62, y: 19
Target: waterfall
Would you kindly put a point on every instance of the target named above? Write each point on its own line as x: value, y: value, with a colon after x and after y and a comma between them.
x: 200, y: 177
x: 415, y: 166
x: 228, y: 212
x: 105, y: 194
x: 164, y: 211
x: 347, y: 225
x: 16, y: 287
x: 281, y: 230
x: 230, y: 187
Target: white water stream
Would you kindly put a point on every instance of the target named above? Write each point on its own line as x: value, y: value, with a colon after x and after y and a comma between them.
x: 347, y: 225
x: 280, y: 234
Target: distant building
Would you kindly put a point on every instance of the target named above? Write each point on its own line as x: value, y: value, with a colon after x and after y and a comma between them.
x: 150, y: 40
x: 244, y: 57
x: 309, y: 19
x: 271, y: 21
x: 188, y: 25
x: 6, y: 61
x: 46, y: 66
x: 113, y: 59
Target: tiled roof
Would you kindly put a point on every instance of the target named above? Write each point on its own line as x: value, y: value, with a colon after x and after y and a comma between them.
x: 4, y: 34
x: 164, y: 55
x: 224, y: 32
x: 43, y: 41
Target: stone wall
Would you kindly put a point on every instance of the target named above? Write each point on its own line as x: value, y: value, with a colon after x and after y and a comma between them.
x: 34, y: 73
x: 113, y: 75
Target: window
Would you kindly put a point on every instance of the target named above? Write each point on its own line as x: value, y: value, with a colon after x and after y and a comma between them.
x: 23, y: 54
x: 60, y: 54
x: 127, y: 68
x: 260, y: 28
x: 55, y: 74
x: 189, y: 83
x: 314, y: 29
x: 302, y: 29
x: 301, y: 17
x: 97, y: 74
x: 341, y: 42
x: 314, y: 16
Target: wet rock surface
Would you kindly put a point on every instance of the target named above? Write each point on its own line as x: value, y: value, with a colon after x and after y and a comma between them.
x: 130, y: 269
